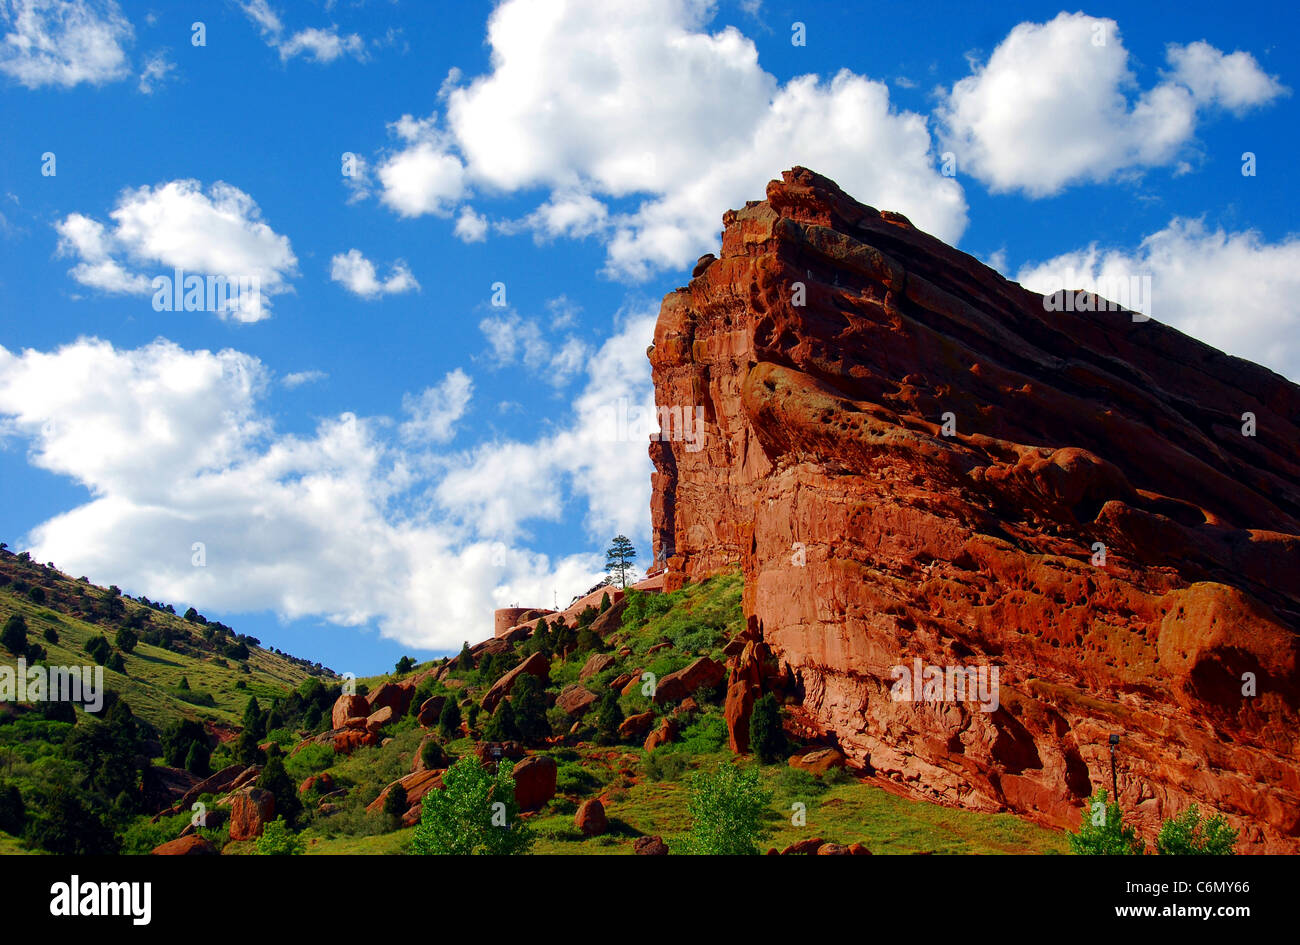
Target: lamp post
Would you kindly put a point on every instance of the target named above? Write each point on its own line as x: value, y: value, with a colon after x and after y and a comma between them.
x: 1114, y: 778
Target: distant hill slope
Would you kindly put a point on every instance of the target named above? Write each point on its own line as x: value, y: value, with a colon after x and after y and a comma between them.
x: 210, y: 657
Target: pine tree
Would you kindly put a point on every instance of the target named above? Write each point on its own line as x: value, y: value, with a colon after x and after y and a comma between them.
x: 529, y: 700
x: 276, y: 780
x: 502, y: 726
x: 619, y: 557
x: 197, y: 761
x: 608, y: 719
x: 466, y: 659
x: 766, y: 736
x: 449, y: 719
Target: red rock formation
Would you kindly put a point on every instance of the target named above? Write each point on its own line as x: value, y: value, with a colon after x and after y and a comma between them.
x: 534, y: 781
x: 535, y: 664
x: 251, y: 810
x: 869, y: 537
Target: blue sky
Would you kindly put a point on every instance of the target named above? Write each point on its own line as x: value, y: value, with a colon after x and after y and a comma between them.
x: 370, y: 452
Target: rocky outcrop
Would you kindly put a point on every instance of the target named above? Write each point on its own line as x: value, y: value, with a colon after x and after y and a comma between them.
x: 591, y: 819
x: 703, y: 673
x: 192, y: 845
x: 534, y: 781
x: 535, y: 664
x: 250, y: 810
x: 918, y: 465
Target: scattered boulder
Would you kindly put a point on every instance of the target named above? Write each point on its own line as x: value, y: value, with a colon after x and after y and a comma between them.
x: 348, y: 707
x: 649, y: 846
x: 857, y: 849
x: 590, y: 818
x: 161, y: 786
x: 430, y: 709
x: 575, y: 699
x: 395, y: 696
x: 677, y: 686
x: 820, y: 761
x: 621, y: 680
x: 833, y: 849
x: 323, y: 783
x: 251, y: 809
x: 349, y: 740
x: 663, y: 735
x: 636, y: 726
x: 379, y: 719
x: 193, y: 845
x: 535, y: 665
x: 596, y: 663
x: 534, y: 781
x: 486, y: 754
x: 417, y: 784
x: 803, y: 847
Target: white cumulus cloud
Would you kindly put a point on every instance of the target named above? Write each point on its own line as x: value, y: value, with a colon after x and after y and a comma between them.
x: 1233, y: 290
x: 177, y: 226
x: 64, y: 42
x: 357, y: 274
x: 1057, y: 104
x: 596, y: 102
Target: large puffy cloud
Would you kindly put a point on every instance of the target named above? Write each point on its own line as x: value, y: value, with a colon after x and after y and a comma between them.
x: 1236, y: 291
x: 595, y: 102
x: 600, y: 455
x: 64, y: 42
x: 1053, y: 106
x: 178, y: 226
x: 356, y: 522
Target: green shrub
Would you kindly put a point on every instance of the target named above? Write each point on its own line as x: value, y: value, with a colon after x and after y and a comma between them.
x: 1103, y: 831
x: 727, y: 807
x: 474, y: 812
x: 766, y: 736
x: 1189, y: 835
x: 278, y: 840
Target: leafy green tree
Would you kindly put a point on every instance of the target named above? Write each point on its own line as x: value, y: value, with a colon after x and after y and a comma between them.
x: 766, y: 736
x: 502, y: 727
x: 116, y: 663
x: 13, y: 813
x: 405, y: 665
x: 1189, y: 835
x: 473, y: 813
x: 66, y: 823
x: 278, y: 840
x: 608, y: 718
x: 466, y: 659
x: 727, y: 807
x: 126, y: 639
x: 449, y: 719
x: 51, y: 635
x: 1103, y: 831
x: 529, y: 698
x: 14, y: 635
x: 619, y: 557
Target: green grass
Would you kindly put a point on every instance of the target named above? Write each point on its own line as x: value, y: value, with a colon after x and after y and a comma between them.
x: 151, y: 685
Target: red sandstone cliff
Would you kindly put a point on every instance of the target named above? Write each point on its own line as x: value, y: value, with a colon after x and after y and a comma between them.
x: 868, y: 538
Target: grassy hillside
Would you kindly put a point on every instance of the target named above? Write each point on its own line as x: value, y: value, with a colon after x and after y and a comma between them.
x: 646, y: 793
x: 77, y: 612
